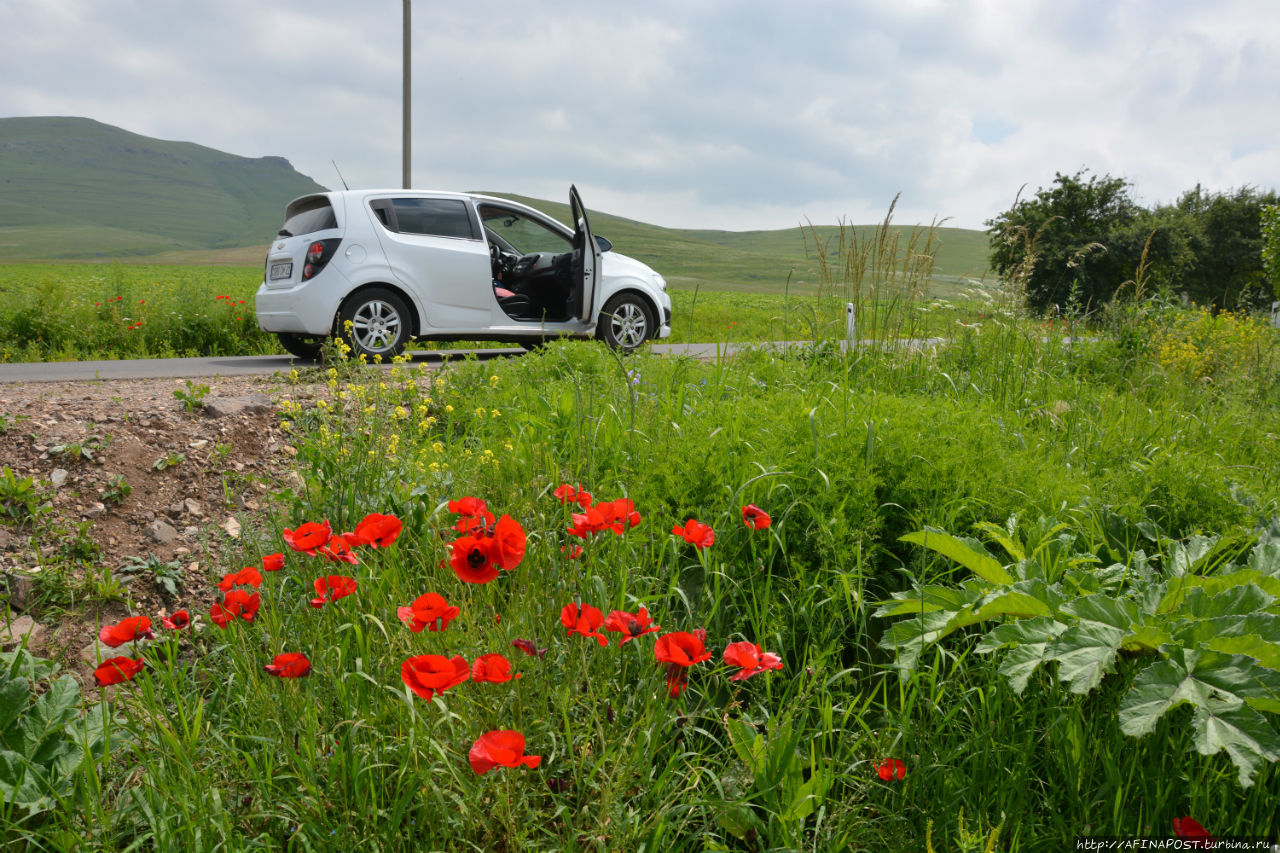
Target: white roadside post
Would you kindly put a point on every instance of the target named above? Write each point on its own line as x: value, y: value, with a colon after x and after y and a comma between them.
x: 850, y: 325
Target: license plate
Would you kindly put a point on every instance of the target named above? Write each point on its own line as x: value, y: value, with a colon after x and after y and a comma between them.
x: 281, y: 270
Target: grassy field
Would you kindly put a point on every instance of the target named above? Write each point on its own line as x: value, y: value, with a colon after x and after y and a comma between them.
x: 1139, y: 468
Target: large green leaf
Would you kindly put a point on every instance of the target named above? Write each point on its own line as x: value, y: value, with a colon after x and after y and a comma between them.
x: 1085, y: 652
x: 1202, y: 677
x: 1241, y: 732
x: 1105, y: 610
x: 1026, y: 640
x: 1183, y: 588
x: 1184, y: 557
x: 1265, y: 559
x: 21, y: 783
x: 49, y: 715
x: 931, y: 598
x: 13, y: 701
x: 981, y: 564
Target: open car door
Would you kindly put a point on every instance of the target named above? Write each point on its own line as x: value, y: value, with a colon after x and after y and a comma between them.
x: 586, y: 261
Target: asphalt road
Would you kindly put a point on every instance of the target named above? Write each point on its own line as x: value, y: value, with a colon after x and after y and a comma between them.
x: 248, y: 365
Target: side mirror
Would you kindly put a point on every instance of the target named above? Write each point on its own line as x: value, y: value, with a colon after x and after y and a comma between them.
x: 604, y: 244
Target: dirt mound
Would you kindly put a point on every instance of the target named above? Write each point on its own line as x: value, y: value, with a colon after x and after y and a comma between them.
x: 133, y: 493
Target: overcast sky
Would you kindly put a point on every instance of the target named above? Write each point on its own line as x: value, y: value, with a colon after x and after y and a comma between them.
x: 718, y: 114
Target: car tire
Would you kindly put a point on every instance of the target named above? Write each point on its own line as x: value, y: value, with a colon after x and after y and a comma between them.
x: 301, y: 346
x: 375, y: 324
x: 626, y: 322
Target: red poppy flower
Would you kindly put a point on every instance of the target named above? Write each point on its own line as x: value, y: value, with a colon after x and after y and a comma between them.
x: 428, y: 611
x: 116, y: 670
x: 619, y: 515
x: 680, y: 650
x: 583, y: 619
x: 696, y: 534
x: 1190, y: 828
x: 427, y: 675
x: 755, y: 518
x: 492, y: 667
x: 126, y: 631
x: 500, y: 749
x: 568, y: 494
x: 177, y: 621
x: 529, y: 647
x: 572, y: 552
x: 630, y: 625
x: 332, y: 587
x: 248, y: 576
x: 509, y: 542
x: 273, y: 562
x: 751, y: 658
x: 338, y: 550
x: 308, y: 537
x: 235, y: 603
x: 590, y: 520
x: 468, y: 506
x: 289, y: 665
x: 891, y: 768
x: 481, y: 523
x: 472, y: 560
x: 376, y: 530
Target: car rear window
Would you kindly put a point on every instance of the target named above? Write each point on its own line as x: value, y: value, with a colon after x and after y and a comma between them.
x: 308, y: 217
x: 435, y: 217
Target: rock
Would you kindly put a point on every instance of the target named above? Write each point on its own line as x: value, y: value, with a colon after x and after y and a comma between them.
x: 193, y: 507
x: 22, y: 628
x: 94, y: 509
x: 20, y: 589
x: 58, y: 477
x: 199, y: 444
x: 162, y: 532
x: 232, y: 527
x: 190, y: 533
x: 221, y: 407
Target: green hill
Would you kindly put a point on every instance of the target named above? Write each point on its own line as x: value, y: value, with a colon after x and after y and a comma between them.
x: 77, y: 188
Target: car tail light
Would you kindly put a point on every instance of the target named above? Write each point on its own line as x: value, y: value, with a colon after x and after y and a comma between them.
x: 319, y: 254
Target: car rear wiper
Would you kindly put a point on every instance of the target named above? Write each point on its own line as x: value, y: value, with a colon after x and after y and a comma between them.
x: 283, y: 232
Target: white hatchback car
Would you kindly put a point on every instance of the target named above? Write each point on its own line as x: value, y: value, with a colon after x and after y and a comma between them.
x: 383, y: 267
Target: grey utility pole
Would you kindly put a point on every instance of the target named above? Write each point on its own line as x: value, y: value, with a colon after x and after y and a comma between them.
x: 405, y: 168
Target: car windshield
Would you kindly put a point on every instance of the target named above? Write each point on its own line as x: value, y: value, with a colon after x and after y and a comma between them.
x: 521, y: 233
x: 309, y: 216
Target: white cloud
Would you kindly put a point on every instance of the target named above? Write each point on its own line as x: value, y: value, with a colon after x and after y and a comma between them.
x: 714, y: 114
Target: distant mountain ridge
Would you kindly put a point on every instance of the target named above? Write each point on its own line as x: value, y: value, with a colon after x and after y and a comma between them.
x: 78, y: 188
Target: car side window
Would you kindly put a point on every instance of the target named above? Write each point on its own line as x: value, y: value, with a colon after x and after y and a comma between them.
x: 431, y: 217
x: 523, y: 234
